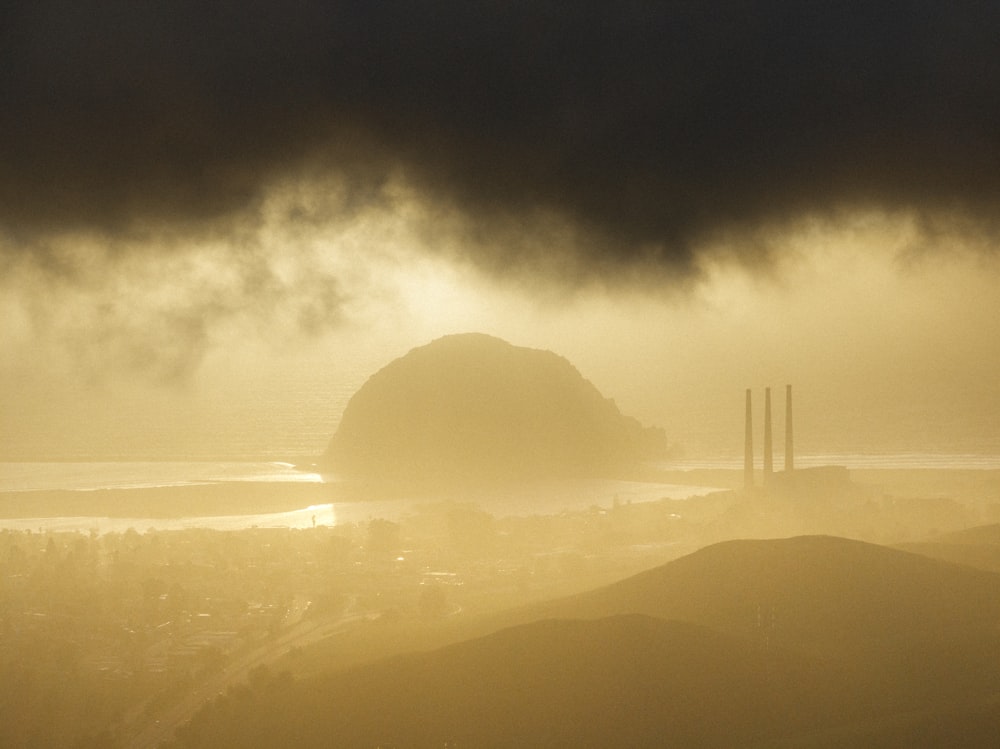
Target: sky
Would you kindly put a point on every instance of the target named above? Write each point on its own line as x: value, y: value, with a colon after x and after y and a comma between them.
x: 216, y: 219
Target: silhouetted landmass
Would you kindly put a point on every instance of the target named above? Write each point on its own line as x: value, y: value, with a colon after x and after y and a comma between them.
x: 826, y: 594
x: 981, y: 487
x: 99, y: 626
x: 800, y: 642
x: 913, y: 632
x: 620, y: 681
x: 971, y: 726
x: 471, y: 409
x: 976, y: 547
x: 980, y: 534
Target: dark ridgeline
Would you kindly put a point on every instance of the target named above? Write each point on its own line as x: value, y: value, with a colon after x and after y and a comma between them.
x: 629, y: 681
x: 809, y: 641
x: 977, y: 547
x: 472, y: 410
x: 831, y: 596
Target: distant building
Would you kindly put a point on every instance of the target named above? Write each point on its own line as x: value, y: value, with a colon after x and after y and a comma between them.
x: 819, y: 481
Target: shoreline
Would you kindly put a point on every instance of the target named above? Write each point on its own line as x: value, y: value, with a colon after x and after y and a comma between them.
x: 224, y: 502
x: 167, y: 502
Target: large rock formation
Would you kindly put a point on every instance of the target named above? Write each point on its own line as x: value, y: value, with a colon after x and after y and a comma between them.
x: 472, y: 409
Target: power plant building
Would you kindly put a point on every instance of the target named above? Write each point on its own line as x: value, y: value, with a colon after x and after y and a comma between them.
x: 818, y: 479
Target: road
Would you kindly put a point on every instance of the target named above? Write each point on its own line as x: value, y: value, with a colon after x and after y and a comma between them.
x: 148, y: 731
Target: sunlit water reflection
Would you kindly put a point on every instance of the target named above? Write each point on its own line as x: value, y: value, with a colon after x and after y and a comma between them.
x: 318, y: 515
x: 20, y: 477
x: 534, y: 499
x: 530, y: 499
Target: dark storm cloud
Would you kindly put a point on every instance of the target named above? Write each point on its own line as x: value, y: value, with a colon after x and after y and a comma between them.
x: 646, y: 126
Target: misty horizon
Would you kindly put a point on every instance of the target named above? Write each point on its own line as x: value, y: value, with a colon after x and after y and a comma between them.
x: 373, y: 374
x: 292, y: 416
x: 682, y: 201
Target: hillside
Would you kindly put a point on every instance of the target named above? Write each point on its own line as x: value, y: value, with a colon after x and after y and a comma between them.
x: 800, y: 642
x: 472, y: 409
x: 976, y: 547
x: 620, y: 681
x: 824, y: 594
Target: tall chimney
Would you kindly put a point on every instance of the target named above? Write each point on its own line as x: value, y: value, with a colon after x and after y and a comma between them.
x: 768, y: 457
x: 789, y: 454
x: 748, y: 448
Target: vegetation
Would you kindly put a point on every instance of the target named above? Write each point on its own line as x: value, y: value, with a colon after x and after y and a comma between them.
x: 813, y: 642
x: 103, y: 635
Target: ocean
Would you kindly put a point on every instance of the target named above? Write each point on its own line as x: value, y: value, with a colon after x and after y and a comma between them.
x: 255, y: 427
x: 84, y: 477
x: 94, y: 475
x: 855, y: 461
x: 549, y: 498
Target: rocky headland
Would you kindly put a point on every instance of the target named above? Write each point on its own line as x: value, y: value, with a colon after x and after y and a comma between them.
x: 474, y: 410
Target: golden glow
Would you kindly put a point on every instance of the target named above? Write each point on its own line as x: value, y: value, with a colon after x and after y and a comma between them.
x: 249, y: 346
x: 859, y: 312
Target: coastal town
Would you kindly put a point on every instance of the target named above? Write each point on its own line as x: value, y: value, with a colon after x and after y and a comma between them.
x: 97, y: 625
x: 103, y: 632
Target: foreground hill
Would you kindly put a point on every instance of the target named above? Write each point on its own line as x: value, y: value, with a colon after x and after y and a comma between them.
x: 620, y: 681
x: 472, y: 409
x: 976, y: 547
x: 821, y: 593
x: 911, y: 631
x: 800, y: 642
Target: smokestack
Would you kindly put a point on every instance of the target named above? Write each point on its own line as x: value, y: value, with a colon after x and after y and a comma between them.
x: 789, y: 455
x: 768, y: 457
x: 748, y: 448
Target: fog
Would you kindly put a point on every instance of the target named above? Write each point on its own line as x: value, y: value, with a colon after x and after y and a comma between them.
x: 389, y: 361
x: 891, y: 343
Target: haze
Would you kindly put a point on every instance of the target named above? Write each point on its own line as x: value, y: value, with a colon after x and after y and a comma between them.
x: 190, y: 195
x: 178, y: 354
x: 223, y: 227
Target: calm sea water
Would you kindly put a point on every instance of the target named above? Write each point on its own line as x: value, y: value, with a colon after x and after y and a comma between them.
x: 90, y: 476
x: 540, y: 498
x: 856, y: 461
x: 258, y: 427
